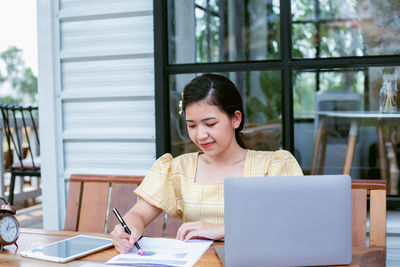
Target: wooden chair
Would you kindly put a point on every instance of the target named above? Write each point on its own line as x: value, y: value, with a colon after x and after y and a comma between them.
x: 92, y: 197
x: 376, y: 190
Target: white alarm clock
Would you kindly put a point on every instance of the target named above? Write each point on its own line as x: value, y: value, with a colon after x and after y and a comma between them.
x: 9, y: 225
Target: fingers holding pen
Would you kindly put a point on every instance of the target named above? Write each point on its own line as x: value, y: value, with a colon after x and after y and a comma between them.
x: 121, y: 239
x: 135, y: 236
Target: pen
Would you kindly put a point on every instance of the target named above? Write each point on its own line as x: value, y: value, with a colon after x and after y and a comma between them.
x: 126, y: 228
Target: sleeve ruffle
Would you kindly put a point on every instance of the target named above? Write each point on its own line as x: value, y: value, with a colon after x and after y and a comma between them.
x: 283, y: 163
x: 158, y: 188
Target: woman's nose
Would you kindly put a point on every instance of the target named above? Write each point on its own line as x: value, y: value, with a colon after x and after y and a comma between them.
x: 202, y: 133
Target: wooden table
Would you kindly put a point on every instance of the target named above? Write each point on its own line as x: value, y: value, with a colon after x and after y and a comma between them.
x: 356, y: 118
x: 31, y: 238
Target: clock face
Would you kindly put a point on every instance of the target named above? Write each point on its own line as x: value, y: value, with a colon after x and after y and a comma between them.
x: 9, y: 229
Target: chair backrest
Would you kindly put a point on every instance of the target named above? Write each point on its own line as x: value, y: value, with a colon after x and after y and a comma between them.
x: 376, y: 190
x: 92, y: 197
x: 21, y: 131
x: 337, y: 100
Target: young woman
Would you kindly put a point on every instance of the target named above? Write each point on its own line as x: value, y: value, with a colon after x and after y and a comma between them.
x: 191, y: 186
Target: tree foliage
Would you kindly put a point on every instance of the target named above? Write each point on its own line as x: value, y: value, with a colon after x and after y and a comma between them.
x: 18, y: 83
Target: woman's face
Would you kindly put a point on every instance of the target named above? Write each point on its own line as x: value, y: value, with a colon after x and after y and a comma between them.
x: 211, y: 129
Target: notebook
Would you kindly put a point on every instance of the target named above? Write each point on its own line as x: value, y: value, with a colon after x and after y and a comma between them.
x: 288, y: 221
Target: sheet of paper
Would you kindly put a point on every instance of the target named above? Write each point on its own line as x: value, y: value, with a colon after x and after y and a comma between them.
x: 164, y: 252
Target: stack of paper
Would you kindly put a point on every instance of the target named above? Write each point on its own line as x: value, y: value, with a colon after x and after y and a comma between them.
x: 165, y: 252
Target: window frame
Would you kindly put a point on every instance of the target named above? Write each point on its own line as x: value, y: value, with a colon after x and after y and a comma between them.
x: 286, y: 64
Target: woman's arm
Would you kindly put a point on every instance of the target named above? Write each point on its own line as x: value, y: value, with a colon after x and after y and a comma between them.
x: 200, y: 229
x: 137, y: 218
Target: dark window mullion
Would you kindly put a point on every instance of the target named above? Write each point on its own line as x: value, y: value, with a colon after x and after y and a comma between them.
x: 225, y: 67
x: 287, y: 80
x: 317, y: 39
x: 345, y: 62
x: 161, y: 78
x: 293, y: 64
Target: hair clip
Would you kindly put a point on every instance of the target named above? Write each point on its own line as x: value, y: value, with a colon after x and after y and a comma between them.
x: 181, y: 105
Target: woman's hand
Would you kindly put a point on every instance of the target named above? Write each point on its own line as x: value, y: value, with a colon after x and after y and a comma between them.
x: 200, y: 229
x: 122, y: 241
x: 140, y: 215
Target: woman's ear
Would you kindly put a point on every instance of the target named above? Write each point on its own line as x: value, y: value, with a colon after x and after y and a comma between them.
x: 236, y: 119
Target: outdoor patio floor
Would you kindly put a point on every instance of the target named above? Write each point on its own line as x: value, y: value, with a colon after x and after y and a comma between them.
x: 31, y: 217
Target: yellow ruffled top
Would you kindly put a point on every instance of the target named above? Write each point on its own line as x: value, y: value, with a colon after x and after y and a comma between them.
x: 170, y: 184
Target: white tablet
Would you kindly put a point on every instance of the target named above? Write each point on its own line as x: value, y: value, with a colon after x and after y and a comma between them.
x: 68, y: 249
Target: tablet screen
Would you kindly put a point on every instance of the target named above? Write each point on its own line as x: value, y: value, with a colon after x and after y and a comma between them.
x: 69, y: 249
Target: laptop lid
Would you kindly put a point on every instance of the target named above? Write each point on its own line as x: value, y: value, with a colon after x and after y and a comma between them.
x: 288, y: 221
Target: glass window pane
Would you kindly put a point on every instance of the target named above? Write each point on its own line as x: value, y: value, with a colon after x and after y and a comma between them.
x: 261, y: 93
x: 303, y: 40
x: 221, y: 31
x: 344, y: 101
x: 338, y: 28
x: 302, y: 10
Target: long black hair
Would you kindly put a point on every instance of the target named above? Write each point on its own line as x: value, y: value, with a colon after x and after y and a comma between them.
x: 219, y: 91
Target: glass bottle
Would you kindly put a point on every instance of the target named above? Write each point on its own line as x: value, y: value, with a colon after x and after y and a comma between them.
x: 388, y: 92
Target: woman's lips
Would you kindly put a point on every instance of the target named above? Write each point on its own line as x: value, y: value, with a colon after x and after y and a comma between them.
x: 206, y: 145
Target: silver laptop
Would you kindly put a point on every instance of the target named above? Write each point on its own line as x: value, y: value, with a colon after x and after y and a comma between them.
x: 288, y: 221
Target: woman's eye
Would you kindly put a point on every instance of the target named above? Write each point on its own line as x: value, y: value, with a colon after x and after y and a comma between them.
x: 211, y: 124
x: 191, y: 126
